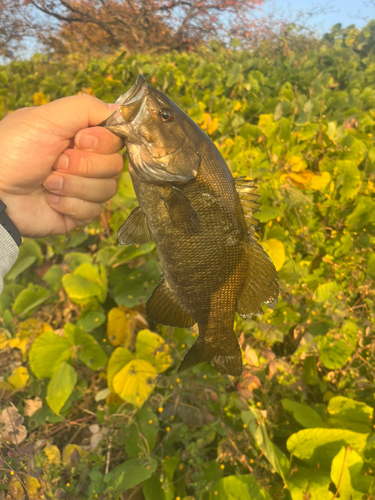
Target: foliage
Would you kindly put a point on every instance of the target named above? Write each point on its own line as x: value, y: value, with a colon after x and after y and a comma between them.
x: 299, y: 422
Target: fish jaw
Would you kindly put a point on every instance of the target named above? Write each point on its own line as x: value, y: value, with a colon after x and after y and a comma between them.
x: 125, y: 121
x: 159, y: 152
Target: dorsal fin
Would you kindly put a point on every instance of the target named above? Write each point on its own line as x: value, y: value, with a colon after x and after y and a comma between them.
x: 246, y: 191
x: 261, y: 285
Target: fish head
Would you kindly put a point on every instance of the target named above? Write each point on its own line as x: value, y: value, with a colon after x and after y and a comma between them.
x: 156, y: 134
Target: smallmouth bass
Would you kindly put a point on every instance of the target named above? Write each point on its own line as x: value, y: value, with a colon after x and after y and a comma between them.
x: 200, y: 219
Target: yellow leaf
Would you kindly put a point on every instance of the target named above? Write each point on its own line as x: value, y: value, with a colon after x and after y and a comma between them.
x: 113, y: 398
x: 4, y: 341
x: 118, y: 328
x: 40, y: 98
x: 19, y: 377
x: 236, y: 105
x: 135, y: 382
x: 301, y: 179
x: 204, y: 124
x: 16, y: 489
x: 297, y: 164
x: 212, y: 126
x: 68, y: 451
x: 119, y: 358
x: 276, y: 251
x: 320, y: 182
x: 53, y: 454
x: 153, y: 348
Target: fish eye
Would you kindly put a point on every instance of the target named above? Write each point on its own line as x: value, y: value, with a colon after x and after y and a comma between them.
x: 166, y: 115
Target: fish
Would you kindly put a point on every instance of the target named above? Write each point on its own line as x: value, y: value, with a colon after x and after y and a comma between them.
x: 201, y: 220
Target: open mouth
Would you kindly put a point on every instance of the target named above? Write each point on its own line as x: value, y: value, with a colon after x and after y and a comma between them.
x: 130, y: 104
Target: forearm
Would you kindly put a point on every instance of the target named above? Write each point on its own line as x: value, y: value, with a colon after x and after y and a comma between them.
x: 8, y: 254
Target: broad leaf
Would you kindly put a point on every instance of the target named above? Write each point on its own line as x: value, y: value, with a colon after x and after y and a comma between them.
x: 61, y: 386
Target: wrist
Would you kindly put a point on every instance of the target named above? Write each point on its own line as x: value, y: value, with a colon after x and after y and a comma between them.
x: 8, y: 225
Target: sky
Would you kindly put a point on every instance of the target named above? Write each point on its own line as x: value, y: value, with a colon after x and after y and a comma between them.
x: 345, y: 12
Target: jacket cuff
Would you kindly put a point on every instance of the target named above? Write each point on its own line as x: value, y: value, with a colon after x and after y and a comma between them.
x: 8, y: 253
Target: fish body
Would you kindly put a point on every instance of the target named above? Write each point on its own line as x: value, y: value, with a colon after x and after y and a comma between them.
x: 200, y: 219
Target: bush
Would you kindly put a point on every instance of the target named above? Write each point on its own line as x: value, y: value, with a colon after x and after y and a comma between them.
x: 299, y: 422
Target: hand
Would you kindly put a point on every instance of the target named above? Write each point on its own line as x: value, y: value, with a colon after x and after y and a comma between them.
x: 54, y: 171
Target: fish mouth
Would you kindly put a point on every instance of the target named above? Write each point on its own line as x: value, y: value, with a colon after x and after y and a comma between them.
x: 130, y: 104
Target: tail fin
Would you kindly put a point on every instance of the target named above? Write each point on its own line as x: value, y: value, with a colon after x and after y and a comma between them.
x: 226, y: 357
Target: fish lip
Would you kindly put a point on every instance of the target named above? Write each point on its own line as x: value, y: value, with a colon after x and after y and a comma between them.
x: 132, y: 92
x: 133, y: 97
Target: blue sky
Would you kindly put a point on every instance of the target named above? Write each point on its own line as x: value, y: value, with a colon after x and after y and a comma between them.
x: 345, y: 12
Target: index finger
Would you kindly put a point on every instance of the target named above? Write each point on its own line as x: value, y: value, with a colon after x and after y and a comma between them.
x: 69, y: 115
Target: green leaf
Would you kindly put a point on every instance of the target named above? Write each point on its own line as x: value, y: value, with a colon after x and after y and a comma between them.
x: 47, y: 353
x: 338, y: 345
x: 89, y: 352
x: 310, y: 371
x: 152, y: 489
x: 326, y: 291
x: 371, y: 265
x: 130, y: 473
x: 30, y: 298
x: 140, y: 437
x: 135, y: 382
x: 86, y: 283
x: 346, y: 475
x: 254, y: 422
x: 75, y: 259
x: 61, y: 386
x: 319, y: 446
x: 135, y: 287
x: 53, y: 277
x: 110, y: 256
x: 303, y: 414
x: 268, y: 213
x: 151, y: 347
x: 349, y: 179
x: 119, y: 358
x: 29, y: 254
x: 239, y: 488
x: 348, y: 409
x: 90, y: 320
x: 309, y: 483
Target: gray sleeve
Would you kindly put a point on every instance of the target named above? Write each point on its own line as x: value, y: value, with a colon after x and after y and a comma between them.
x: 8, y: 254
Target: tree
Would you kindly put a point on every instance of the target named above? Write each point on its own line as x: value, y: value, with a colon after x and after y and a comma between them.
x: 67, y: 26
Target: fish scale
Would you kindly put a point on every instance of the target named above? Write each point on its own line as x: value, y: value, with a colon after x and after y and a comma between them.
x: 201, y: 220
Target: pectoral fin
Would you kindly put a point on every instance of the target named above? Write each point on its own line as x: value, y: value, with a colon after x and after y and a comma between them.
x: 164, y: 308
x: 181, y: 211
x: 261, y: 285
x: 134, y: 230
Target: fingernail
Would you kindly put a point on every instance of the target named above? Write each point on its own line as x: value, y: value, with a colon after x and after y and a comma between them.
x: 54, y: 182
x: 63, y: 162
x: 53, y: 199
x: 86, y: 141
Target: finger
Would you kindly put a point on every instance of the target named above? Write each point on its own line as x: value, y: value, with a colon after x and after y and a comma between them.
x: 85, y: 164
x: 72, y: 114
x: 82, y: 211
x: 74, y: 186
x: 98, y: 140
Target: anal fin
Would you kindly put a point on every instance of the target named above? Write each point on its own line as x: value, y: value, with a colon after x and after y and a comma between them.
x: 134, y: 230
x: 181, y: 211
x: 261, y: 285
x: 164, y: 308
